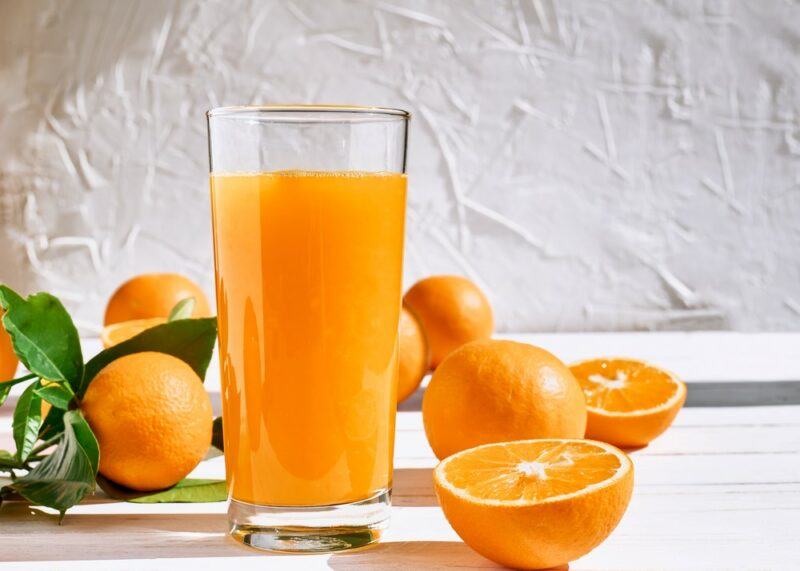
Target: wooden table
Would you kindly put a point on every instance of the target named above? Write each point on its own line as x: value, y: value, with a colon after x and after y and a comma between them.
x: 721, y: 489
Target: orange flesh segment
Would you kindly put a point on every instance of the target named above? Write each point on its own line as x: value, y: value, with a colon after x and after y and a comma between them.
x: 530, y: 471
x: 620, y: 385
x: 119, y: 332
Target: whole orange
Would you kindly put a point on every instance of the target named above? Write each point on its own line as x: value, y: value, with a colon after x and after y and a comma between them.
x: 154, y: 295
x: 496, y: 391
x: 8, y: 359
x: 453, y: 311
x: 414, y: 355
x: 152, y: 418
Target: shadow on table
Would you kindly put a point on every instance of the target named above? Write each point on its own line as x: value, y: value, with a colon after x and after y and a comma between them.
x: 415, y: 555
x: 30, y: 534
x: 413, y: 487
x: 412, y: 555
x: 413, y: 403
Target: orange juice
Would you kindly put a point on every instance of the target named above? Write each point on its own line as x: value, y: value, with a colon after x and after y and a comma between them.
x: 308, y: 289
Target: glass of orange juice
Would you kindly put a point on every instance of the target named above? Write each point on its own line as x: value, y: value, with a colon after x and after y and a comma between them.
x: 308, y: 206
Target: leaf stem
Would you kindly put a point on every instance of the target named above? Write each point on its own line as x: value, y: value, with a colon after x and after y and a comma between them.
x: 45, y: 445
x: 19, y: 380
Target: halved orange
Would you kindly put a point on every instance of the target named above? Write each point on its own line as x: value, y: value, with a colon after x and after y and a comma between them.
x: 629, y: 402
x: 119, y: 332
x: 535, y: 504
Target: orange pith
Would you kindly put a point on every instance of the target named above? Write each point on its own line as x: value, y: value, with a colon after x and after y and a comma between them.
x: 624, y: 385
x: 119, y: 332
x: 629, y: 402
x: 529, y: 470
x: 535, y: 504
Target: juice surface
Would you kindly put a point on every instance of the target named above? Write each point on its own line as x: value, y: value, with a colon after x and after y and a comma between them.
x: 309, y: 270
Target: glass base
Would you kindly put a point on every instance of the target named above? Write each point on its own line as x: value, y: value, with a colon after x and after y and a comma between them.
x: 317, y: 529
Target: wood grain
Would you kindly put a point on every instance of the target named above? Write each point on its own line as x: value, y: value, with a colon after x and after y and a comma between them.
x: 719, y: 490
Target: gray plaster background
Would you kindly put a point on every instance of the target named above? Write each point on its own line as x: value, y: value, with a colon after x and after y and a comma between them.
x: 595, y: 165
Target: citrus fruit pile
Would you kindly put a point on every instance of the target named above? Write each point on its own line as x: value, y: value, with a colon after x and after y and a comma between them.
x: 440, y: 314
x: 134, y: 418
x: 530, y: 473
x: 149, y: 411
x: 145, y: 301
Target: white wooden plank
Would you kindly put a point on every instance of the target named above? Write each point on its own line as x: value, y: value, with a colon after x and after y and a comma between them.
x: 786, y: 415
x: 739, y: 416
x: 694, y: 356
x: 660, y: 531
x: 719, y: 490
x: 663, y: 532
x: 707, y: 431
x: 711, y: 440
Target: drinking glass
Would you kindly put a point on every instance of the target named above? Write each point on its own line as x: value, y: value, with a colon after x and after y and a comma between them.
x: 308, y: 206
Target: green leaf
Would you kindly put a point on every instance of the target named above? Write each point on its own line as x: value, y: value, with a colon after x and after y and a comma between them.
x: 216, y: 434
x: 27, y: 420
x: 5, y: 386
x: 8, y: 460
x: 182, y: 310
x: 43, y: 335
x: 57, y: 394
x: 53, y: 424
x: 188, y: 491
x: 5, y: 390
x: 85, y: 436
x: 64, y: 477
x: 191, y: 340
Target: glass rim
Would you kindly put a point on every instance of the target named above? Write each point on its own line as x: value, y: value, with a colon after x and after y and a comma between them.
x: 302, y: 112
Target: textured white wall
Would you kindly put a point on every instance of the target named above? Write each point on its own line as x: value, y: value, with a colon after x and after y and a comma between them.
x: 593, y: 164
